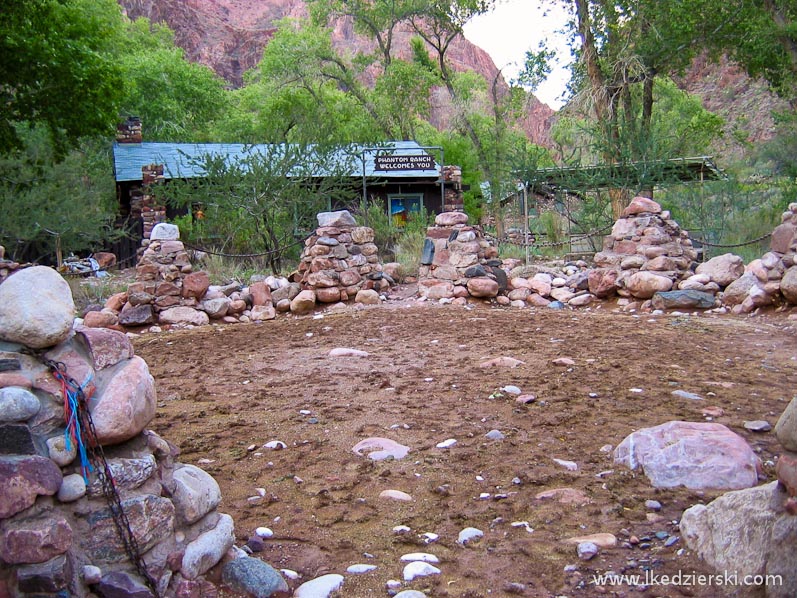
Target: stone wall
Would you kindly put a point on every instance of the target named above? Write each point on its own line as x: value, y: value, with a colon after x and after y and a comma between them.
x: 458, y: 262
x: 340, y: 259
x: 645, y: 253
x: 57, y: 535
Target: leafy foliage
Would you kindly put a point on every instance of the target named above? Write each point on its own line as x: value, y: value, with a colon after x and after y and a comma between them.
x: 56, y: 69
x: 264, y: 202
x: 47, y: 203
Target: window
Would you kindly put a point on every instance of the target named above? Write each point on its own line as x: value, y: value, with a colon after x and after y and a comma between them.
x: 402, y: 205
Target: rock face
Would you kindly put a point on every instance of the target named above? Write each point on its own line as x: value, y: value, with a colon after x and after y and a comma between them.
x: 697, y: 455
x: 340, y: 260
x: 646, y: 252
x: 51, y: 516
x: 230, y: 38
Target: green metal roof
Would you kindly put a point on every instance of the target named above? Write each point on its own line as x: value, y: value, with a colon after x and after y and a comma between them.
x: 183, y: 160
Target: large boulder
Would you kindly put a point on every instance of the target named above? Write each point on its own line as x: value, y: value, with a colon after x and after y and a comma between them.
x: 722, y: 269
x: 732, y: 533
x: 786, y: 428
x: 698, y: 455
x: 788, y: 285
x: 36, y: 308
x: 644, y: 284
x: 342, y: 218
x: 125, y: 403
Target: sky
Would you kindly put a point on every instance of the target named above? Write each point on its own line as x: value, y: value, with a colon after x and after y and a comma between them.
x: 514, y: 27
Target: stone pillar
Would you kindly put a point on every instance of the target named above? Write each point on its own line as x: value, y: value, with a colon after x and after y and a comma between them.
x: 453, y: 200
x: 152, y: 212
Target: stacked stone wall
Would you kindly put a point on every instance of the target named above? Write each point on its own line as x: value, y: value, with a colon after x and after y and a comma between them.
x: 57, y: 532
x: 340, y: 259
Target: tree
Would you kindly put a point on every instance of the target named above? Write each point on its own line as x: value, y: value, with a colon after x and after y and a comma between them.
x: 55, y: 68
x: 266, y: 200
x: 49, y: 202
x: 177, y: 100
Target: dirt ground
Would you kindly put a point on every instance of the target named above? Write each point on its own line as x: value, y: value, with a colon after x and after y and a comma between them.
x: 225, y: 391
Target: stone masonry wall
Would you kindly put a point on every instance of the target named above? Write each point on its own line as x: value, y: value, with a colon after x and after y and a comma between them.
x: 57, y: 535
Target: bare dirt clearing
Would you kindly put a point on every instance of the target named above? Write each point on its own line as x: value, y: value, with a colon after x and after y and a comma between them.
x: 222, y: 389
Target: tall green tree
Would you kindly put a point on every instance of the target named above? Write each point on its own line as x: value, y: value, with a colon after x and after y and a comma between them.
x: 177, y: 100
x: 56, y: 68
x: 49, y: 201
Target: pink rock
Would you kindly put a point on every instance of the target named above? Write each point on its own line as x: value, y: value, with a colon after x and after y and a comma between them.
x: 106, y: 347
x: 698, y: 455
x: 641, y: 205
x: 782, y: 237
x: 451, y: 218
x: 436, y: 289
x: 643, y: 284
x: 378, y: 448
x: 263, y: 312
x: 303, y: 303
x: 195, y: 285
x: 182, y: 314
x: 722, y: 269
x: 126, y: 403
x: 602, y: 540
x: 24, y: 541
x: 565, y: 496
x: 501, y: 362
x: 22, y: 479
x: 483, y: 287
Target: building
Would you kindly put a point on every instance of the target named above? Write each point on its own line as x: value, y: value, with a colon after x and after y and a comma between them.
x: 403, y: 174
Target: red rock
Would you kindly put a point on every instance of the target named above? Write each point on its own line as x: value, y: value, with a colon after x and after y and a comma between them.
x: 327, y: 294
x: 451, y: 218
x: 195, y: 285
x: 603, y: 282
x: 483, y: 287
x: 106, y: 347
x: 786, y: 470
x: 643, y: 284
x: 641, y: 205
x: 105, y: 259
x: 261, y: 293
x: 14, y: 379
x: 100, y: 319
x: 34, y: 540
x: 22, y: 479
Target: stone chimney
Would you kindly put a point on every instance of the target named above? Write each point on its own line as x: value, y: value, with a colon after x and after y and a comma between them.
x: 129, y: 131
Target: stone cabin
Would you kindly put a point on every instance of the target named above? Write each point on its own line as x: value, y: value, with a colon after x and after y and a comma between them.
x: 403, y: 174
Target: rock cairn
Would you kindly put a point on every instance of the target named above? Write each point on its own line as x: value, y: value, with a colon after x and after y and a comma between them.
x: 754, y: 531
x: 57, y: 532
x: 339, y: 260
x: 771, y: 279
x: 645, y: 253
x: 458, y: 262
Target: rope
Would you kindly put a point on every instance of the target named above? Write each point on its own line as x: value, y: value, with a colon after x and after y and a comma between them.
x: 80, y: 429
x: 243, y: 255
x: 751, y: 242
x: 588, y: 235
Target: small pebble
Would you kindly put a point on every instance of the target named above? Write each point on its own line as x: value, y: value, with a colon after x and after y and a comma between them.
x: 568, y: 465
x: 758, y: 426
x: 662, y: 535
x: 495, y: 435
x: 653, y: 505
x: 512, y: 390
x: 586, y: 550
x: 447, y: 443
x: 469, y: 534
x: 360, y: 568
x: 429, y: 537
x: 264, y: 532
x: 671, y: 540
x: 401, y: 529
